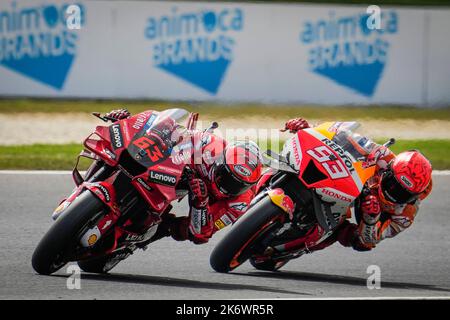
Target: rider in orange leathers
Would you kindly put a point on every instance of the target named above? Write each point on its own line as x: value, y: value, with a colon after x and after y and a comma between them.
x: 389, y: 202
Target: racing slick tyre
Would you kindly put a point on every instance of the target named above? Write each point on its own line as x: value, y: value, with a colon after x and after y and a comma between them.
x: 95, y: 265
x: 239, y: 243
x: 268, y: 265
x: 49, y: 255
x: 104, y: 264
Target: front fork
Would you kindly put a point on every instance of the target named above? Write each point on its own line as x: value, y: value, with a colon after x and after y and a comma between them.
x: 285, y: 203
x: 104, y: 191
x: 280, y: 199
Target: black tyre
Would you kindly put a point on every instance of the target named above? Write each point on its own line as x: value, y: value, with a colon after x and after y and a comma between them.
x: 236, y: 247
x: 49, y: 255
x: 95, y: 265
x: 268, y: 265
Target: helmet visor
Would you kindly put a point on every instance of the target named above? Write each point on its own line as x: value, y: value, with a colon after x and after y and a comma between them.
x: 228, y: 183
x: 393, y: 191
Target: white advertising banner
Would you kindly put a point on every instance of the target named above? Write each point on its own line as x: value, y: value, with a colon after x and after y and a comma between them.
x: 225, y: 52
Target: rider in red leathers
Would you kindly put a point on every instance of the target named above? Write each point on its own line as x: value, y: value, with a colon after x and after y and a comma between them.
x: 222, y: 189
x: 390, y: 201
x: 221, y: 185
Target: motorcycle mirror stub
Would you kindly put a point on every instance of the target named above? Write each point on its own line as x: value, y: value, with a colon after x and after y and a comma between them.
x: 390, y: 142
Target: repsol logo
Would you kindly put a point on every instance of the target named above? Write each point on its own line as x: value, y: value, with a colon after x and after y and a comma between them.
x: 116, y: 136
x: 348, y: 162
x: 162, y: 178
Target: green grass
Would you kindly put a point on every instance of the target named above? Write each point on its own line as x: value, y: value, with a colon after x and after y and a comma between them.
x: 63, y: 157
x: 41, y: 157
x: 438, y: 151
x: 220, y: 110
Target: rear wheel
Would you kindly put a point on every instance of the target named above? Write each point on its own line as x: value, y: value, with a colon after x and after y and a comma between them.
x: 241, y: 241
x: 51, y: 252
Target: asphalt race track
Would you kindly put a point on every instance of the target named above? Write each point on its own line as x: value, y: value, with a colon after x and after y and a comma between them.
x: 415, y: 264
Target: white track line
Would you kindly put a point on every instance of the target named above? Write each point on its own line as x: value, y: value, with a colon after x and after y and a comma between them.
x: 60, y: 172
x: 35, y: 172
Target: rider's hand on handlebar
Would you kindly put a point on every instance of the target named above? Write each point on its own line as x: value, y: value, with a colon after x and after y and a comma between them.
x: 116, y: 115
x: 296, y: 124
x: 371, y: 209
x: 199, y: 192
x: 375, y: 156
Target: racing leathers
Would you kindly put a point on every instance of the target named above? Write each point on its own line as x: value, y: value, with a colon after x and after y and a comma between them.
x: 377, y: 218
x: 210, y: 209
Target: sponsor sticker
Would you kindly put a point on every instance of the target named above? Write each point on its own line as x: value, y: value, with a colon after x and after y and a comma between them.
x: 406, y: 181
x: 197, y: 216
x: 226, y: 220
x: 110, y: 153
x: 116, y: 136
x: 150, y: 121
x: 162, y: 178
x: 90, y: 237
x: 219, y: 224
x: 243, y: 171
x: 239, y: 206
x: 104, y: 191
x: 143, y: 184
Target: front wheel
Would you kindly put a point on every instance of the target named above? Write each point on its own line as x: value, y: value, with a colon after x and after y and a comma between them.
x: 239, y: 243
x: 268, y: 265
x: 50, y: 254
x: 99, y: 264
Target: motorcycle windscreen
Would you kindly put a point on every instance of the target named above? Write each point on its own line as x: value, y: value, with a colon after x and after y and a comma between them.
x: 153, y: 144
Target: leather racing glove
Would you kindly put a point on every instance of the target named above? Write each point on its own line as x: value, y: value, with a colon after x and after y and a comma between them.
x: 199, y: 193
x: 116, y: 115
x: 371, y: 210
x: 296, y: 124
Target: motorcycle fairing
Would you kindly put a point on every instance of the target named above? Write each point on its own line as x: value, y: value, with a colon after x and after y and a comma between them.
x: 147, y: 139
x: 336, y: 177
x: 329, y: 167
x: 357, y: 151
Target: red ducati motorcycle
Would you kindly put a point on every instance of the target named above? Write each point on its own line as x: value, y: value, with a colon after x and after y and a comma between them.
x: 140, y: 165
x: 300, y: 204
